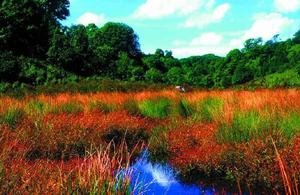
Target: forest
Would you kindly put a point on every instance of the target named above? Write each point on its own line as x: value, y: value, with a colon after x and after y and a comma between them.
x: 37, y: 50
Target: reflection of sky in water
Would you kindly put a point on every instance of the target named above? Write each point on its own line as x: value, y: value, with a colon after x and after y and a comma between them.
x: 160, y: 179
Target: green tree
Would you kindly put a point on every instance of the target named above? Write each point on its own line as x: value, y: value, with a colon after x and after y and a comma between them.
x: 175, y: 76
x: 26, y: 25
x: 9, y: 66
x: 154, y: 76
x: 121, y: 38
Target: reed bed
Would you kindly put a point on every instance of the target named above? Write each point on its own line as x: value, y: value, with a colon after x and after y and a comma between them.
x: 62, y: 143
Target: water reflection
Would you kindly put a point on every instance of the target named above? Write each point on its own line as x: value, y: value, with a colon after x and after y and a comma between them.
x: 161, y: 179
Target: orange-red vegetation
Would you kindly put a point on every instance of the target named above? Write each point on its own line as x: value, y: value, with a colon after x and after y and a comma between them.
x: 194, y: 144
x: 47, y: 150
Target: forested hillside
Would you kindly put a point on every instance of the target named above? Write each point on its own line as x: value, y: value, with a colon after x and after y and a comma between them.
x: 36, y: 49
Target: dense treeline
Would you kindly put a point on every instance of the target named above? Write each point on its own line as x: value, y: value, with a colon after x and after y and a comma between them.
x: 35, y: 49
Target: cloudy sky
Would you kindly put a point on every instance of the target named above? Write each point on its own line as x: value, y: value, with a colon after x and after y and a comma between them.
x: 193, y: 27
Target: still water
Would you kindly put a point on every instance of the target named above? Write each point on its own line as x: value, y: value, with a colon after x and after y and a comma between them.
x: 161, y: 179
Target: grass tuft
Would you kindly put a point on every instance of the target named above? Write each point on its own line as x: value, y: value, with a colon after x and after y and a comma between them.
x: 12, y: 117
x: 132, y: 107
x: 208, y: 109
x: 184, y: 108
x: 159, y: 107
x: 102, y: 107
x: 72, y: 107
x: 35, y: 107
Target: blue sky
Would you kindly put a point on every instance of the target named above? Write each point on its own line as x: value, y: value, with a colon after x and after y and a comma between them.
x: 193, y: 27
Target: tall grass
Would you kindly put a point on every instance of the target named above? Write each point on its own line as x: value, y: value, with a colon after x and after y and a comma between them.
x: 158, y: 144
x: 102, y: 107
x: 12, y: 117
x: 208, y: 109
x: 104, y: 172
x: 36, y: 107
x: 159, y: 107
x: 184, y: 108
x: 290, y: 125
x: 132, y: 107
x: 290, y: 187
x: 71, y: 107
x: 255, y: 125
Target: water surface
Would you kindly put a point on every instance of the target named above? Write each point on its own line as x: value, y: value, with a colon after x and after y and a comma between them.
x: 161, y: 179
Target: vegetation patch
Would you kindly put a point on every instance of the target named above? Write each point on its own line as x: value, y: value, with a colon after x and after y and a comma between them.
x: 159, y: 107
x: 35, y: 107
x: 132, y: 107
x: 184, y: 108
x: 72, y: 107
x: 102, y: 107
x: 12, y: 117
x: 208, y: 109
x: 130, y: 137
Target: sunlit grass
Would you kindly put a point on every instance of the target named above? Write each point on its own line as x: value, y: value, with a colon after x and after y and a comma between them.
x: 159, y: 107
x: 256, y: 125
x: 208, y: 109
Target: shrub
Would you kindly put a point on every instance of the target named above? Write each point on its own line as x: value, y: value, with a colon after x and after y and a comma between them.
x: 156, y: 108
x: 208, y: 109
x: 12, y: 117
x: 132, y: 107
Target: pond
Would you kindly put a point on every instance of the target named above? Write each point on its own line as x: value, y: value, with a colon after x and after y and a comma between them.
x: 161, y: 179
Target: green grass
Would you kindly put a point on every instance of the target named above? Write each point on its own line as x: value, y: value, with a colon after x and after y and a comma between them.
x: 72, y: 107
x: 36, y: 107
x: 290, y: 125
x: 184, y: 108
x: 12, y: 117
x: 159, y: 107
x: 102, y: 107
x: 132, y: 107
x: 254, y: 125
x: 208, y: 109
x: 158, y: 144
x: 289, y: 78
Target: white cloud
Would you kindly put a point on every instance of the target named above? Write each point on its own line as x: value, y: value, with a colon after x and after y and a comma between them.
x: 287, y: 5
x: 89, y: 18
x: 205, y: 43
x: 154, y: 9
x: 195, y: 51
x: 202, y: 19
x: 266, y: 26
x: 209, y: 38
